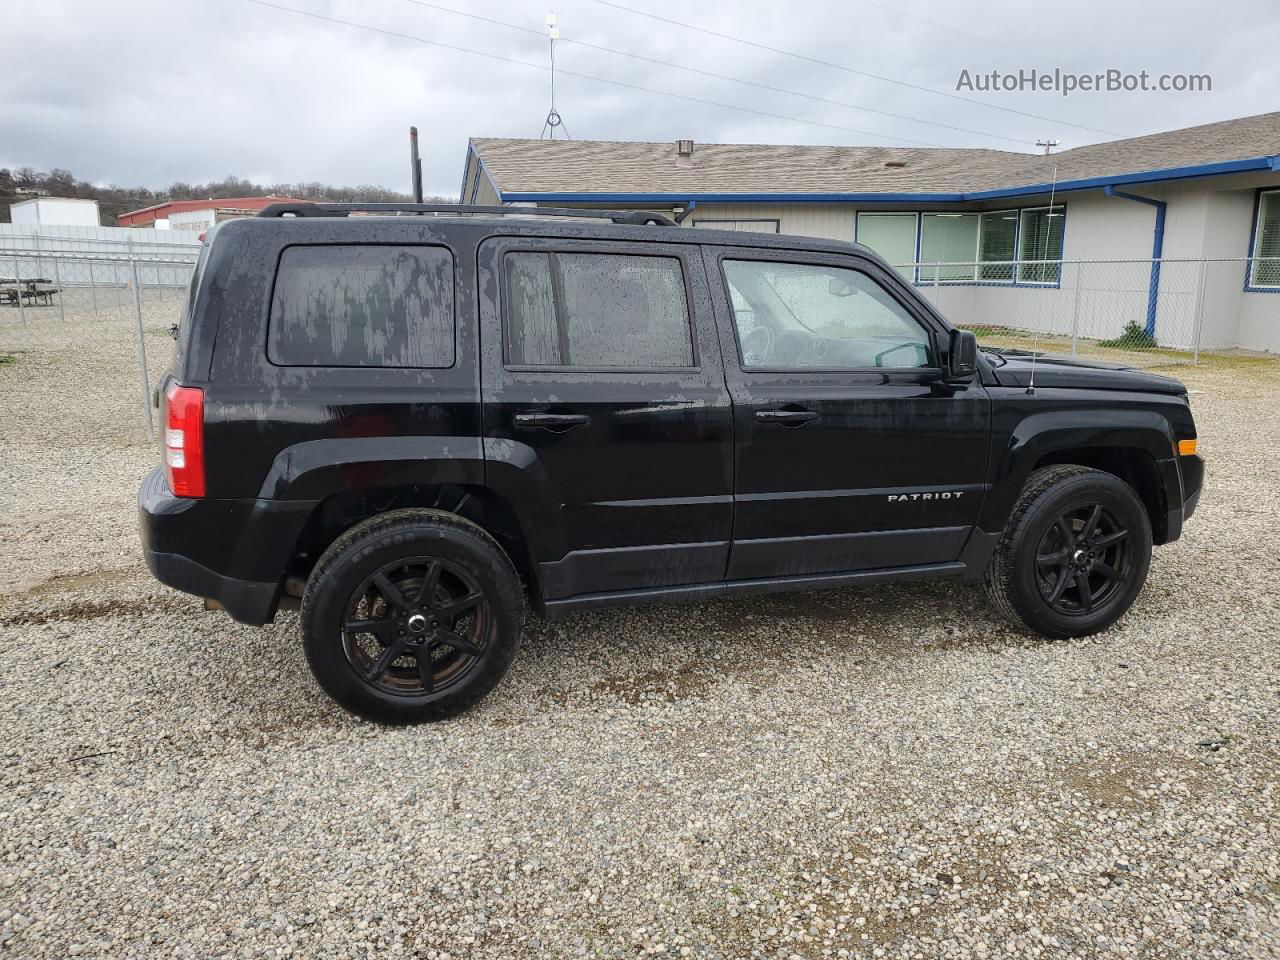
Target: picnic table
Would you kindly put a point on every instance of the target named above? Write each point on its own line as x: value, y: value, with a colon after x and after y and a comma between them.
x: 31, y: 289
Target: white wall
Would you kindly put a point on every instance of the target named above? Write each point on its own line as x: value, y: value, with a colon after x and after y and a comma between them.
x: 486, y: 195
x: 193, y: 220
x: 55, y: 211
x: 164, y: 255
x: 1213, y: 219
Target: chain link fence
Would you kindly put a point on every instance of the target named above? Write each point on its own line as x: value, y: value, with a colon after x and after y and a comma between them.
x: 1146, y: 313
x: 92, y: 327
x: 90, y: 330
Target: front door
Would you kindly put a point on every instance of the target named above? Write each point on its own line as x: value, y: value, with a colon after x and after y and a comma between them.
x: 852, y: 452
x: 607, y: 421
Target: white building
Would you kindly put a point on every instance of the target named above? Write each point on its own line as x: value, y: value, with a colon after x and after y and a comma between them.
x: 55, y: 211
x: 1203, y: 192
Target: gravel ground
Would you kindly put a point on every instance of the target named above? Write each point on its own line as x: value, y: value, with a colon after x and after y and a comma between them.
x: 874, y: 772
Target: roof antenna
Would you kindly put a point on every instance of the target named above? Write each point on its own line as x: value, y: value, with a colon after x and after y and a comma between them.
x: 553, y: 117
x: 1044, y: 256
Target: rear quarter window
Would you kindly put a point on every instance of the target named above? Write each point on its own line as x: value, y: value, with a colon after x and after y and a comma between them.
x: 362, y: 306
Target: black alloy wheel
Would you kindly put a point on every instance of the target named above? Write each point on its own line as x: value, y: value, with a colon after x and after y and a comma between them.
x: 1074, y: 553
x: 415, y: 626
x: 412, y: 615
x: 1083, y: 560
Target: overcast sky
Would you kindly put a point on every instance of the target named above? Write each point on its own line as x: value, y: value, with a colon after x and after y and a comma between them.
x: 148, y: 92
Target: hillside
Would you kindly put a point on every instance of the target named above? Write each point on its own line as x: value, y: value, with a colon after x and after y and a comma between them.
x: 114, y: 200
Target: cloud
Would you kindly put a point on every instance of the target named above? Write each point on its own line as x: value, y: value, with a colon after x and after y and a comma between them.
x: 149, y: 92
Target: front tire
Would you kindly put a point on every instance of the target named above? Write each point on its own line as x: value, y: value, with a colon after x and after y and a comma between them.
x: 1074, y: 554
x: 412, y: 615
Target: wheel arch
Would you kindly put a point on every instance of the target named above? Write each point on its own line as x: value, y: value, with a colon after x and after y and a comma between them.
x: 1135, y: 445
x: 339, y: 512
x: 1134, y: 465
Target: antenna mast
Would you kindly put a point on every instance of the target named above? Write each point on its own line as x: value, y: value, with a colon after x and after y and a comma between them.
x: 553, y: 120
x: 1044, y: 256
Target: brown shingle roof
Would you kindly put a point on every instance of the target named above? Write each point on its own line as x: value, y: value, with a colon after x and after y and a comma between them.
x: 611, y: 166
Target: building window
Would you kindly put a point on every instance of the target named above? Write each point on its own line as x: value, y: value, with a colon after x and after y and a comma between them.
x: 997, y: 245
x: 1040, y: 239
x: 597, y: 310
x: 1264, y: 269
x: 968, y: 247
x: 893, y: 236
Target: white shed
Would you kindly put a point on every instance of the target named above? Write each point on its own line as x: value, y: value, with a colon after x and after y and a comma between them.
x: 59, y: 211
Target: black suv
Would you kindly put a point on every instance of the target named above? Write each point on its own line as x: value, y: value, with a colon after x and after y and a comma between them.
x: 406, y: 424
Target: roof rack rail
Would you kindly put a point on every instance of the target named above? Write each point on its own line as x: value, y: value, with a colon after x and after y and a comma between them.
x: 306, y: 209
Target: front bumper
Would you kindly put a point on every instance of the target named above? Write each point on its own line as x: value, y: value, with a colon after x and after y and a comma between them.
x: 1192, y: 470
x: 1183, y: 481
x: 236, y: 552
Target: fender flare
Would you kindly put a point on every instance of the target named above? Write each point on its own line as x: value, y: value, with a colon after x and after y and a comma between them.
x: 316, y: 469
x: 1041, y: 434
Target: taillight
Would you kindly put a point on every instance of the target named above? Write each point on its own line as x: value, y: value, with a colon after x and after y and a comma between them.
x: 184, y: 440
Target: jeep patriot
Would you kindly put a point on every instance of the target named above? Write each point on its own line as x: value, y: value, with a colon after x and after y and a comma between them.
x: 405, y: 425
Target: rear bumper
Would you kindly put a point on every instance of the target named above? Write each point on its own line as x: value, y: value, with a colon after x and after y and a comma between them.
x: 236, y: 552
x: 247, y: 601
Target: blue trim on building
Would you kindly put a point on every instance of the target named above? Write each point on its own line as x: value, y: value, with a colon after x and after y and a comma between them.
x: 1157, y: 251
x: 665, y: 198
x: 1269, y: 163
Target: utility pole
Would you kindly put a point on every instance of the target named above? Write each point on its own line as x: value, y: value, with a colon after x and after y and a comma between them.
x: 415, y: 165
x: 1048, y: 145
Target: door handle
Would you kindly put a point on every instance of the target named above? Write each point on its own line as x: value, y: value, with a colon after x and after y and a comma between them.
x: 788, y: 418
x: 555, y: 422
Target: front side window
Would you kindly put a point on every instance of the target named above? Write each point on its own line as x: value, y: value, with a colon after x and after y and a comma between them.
x: 1264, y: 270
x: 795, y: 316
x: 596, y: 310
x: 362, y: 306
x: 1040, y: 239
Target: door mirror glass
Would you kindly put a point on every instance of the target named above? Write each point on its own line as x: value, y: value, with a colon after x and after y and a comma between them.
x: 964, y: 355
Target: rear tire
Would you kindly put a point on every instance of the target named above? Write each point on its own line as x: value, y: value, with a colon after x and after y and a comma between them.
x: 1074, y: 554
x: 412, y: 615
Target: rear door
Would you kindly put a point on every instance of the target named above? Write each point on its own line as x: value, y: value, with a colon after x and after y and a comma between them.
x: 853, y: 453
x: 606, y: 415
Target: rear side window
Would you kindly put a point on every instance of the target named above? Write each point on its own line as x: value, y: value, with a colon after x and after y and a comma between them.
x: 596, y: 310
x: 363, y: 306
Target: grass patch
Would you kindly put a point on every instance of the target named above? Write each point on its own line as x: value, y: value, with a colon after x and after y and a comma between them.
x: 1132, y: 337
x: 7, y: 358
x: 986, y: 330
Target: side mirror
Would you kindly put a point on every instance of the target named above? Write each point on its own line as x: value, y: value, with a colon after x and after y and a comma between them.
x: 963, y: 361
